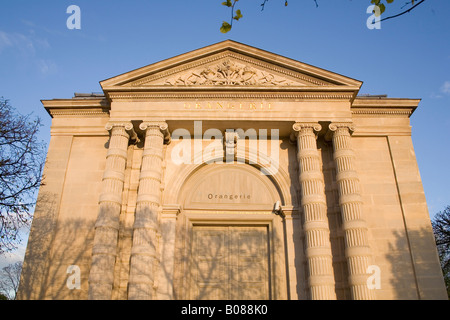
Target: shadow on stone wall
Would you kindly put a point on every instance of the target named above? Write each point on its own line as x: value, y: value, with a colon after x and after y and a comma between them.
x: 52, y: 248
x: 414, y: 269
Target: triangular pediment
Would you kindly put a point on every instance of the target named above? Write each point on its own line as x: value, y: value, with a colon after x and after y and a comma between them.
x: 228, y: 64
x: 226, y: 69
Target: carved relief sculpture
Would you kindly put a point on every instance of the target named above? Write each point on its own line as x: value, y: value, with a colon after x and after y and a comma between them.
x: 227, y: 73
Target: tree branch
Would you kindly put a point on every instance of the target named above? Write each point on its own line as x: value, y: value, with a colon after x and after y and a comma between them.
x: 404, y: 12
x: 22, y: 159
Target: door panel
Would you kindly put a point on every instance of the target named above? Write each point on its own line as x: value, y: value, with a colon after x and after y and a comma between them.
x: 209, y: 264
x: 230, y: 262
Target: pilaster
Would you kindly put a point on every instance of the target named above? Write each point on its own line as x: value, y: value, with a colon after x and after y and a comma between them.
x: 169, y: 216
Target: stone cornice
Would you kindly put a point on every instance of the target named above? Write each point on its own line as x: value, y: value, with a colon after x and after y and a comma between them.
x: 404, y: 112
x: 203, y: 93
x: 77, y: 107
x: 386, y: 107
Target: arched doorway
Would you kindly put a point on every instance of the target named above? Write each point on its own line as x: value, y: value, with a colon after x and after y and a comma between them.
x: 229, y: 239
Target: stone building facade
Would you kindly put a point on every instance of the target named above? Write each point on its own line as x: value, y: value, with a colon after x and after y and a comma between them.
x: 230, y: 172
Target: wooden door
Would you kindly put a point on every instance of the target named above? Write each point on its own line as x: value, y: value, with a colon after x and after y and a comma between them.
x: 230, y: 263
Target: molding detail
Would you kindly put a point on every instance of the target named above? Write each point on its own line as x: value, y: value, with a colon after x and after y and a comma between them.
x: 231, y: 95
x: 78, y: 113
x: 383, y: 111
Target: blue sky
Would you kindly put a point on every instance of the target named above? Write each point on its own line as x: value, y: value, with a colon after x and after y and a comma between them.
x: 409, y: 57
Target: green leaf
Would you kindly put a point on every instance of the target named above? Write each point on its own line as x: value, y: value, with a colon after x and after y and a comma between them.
x: 382, y: 9
x: 238, y: 15
x: 389, y: 1
x: 226, y: 27
x: 227, y: 3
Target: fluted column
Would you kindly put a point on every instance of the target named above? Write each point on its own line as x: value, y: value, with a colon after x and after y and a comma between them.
x: 317, y: 232
x: 104, y: 251
x: 144, y: 253
x: 357, y: 249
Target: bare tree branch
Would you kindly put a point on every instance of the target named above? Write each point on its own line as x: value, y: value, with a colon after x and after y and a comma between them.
x: 22, y: 158
x: 441, y: 229
x: 404, y: 12
x: 9, y: 280
x: 263, y: 4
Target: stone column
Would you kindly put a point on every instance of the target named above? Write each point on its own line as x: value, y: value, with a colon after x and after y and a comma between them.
x: 357, y: 249
x: 317, y: 232
x: 145, y: 250
x: 104, y: 251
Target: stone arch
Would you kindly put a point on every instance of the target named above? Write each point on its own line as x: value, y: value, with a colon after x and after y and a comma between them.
x: 276, y: 182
